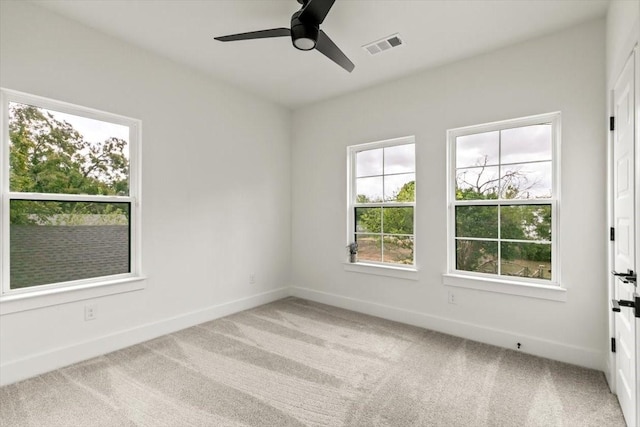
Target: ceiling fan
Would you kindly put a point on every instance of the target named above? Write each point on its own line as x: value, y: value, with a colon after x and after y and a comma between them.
x: 305, y: 32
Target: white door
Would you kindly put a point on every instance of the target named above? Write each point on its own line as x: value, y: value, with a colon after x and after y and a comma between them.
x: 624, y: 243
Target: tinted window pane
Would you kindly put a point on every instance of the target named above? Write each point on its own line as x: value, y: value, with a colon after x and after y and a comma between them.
x: 477, y: 183
x: 369, y: 189
x: 477, y: 221
x: 526, y: 222
x: 369, y: 162
x: 478, y: 256
x: 526, y: 181
x: 477, y: 150
x: 526, y: 144
x: 398, y: 249
x: 399, y: 159
x: 74, y: 155
x: 53, y: 242
x: 368, y: 220
x: 398, y: 220
x: 369, y: 247
x: 526, y: 260
x: 400, y: 188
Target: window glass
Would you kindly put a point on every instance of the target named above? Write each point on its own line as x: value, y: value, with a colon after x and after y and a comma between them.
x: 399, y: 159
x: 526, y: 181
x: 369, y: 189
x: 57, y: 153
x: 399, y: 188
x: 525, y: 222
x: 397, y: 220
x: 369, y: 162
x: 477, y: 255
x: 369, y: 247
x: 398, y: 249
x: 477, y: 221
x: 479, y: 149
x: 478, y: 183
x: 368, y: 220
x: 526, y: 260
x: 525, y: 144
x: 53, y: 242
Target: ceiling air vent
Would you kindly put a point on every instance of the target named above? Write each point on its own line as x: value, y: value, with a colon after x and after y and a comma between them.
x: 386, y: 43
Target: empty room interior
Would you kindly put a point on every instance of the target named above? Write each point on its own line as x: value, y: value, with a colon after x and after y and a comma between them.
x: 319, y: 213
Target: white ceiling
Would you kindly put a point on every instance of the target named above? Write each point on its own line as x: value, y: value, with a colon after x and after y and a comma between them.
x: 434, y: 31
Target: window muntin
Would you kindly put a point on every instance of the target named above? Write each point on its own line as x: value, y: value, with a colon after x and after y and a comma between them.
x: 382, y: 201
x: 70, y: 202
x: 503, y: 199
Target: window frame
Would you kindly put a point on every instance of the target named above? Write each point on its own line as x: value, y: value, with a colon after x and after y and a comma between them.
x: 495, y: 282
x: 12, y: 300
x: 405, y: 271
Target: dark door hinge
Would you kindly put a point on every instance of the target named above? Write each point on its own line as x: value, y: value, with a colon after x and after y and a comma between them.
x: 612, y: 234
x: 612, y: 123
x: 613, y: 345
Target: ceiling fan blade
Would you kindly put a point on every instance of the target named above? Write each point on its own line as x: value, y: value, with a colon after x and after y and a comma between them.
x: 262, y: 34
x: 315, y: 11
x: 329, y: 49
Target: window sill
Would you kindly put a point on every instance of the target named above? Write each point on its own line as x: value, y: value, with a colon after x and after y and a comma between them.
x: 548, y: 292
x: 382, y: 270
x: 14, y: 303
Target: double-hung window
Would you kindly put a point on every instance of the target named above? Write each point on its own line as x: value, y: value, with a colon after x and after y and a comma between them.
x: 503, y: 200
x: 70, y: 196
x: 381, y: 214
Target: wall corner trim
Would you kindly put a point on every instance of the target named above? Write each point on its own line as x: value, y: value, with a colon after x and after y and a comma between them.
x: 581, y: 356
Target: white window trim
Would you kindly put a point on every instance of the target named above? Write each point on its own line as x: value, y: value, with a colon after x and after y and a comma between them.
x: 14, y: 300
x: 369, y: 267
x: 386, y: 270
x: 532, y: 290
x: 528, y: 287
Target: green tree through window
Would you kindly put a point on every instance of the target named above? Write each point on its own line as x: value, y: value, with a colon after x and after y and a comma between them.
x: 49, y: 156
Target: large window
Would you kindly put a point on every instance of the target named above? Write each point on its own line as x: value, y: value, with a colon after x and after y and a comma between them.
x: 504, y: 200
x: 382, y: 188
x: 70, y: 201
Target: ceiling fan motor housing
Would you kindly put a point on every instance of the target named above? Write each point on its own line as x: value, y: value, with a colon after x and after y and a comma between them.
x: 303, y: 35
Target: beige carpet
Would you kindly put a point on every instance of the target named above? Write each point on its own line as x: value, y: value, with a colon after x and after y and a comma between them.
x: 295, y: 363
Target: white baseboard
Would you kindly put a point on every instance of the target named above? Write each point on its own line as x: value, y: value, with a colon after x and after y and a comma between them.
x: 575, y: 355
x: 21, y: 369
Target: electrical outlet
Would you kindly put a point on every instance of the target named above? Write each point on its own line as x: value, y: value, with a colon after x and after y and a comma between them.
x: 452, y: 298
x: 89, y: 312
x: 252, y: 278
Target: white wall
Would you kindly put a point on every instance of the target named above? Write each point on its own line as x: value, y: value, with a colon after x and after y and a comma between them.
x: 561, y: 72
x: 623, y: 32
x: 215, y: 189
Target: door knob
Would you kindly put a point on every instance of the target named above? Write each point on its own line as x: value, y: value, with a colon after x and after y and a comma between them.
x: 628, y: 277
x: 635, y: 304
